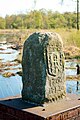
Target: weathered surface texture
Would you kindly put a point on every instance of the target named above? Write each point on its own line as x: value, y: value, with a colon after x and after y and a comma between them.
x: 43, y: 68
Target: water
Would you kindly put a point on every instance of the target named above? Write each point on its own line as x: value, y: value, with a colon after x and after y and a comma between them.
x: 70, y: 72
x: 8, y: 54
x: 71, y: 68
x: 71, y: 87
x: 12, y: 86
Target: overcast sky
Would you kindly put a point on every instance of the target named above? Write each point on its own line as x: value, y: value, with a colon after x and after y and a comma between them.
x: 8, y: 7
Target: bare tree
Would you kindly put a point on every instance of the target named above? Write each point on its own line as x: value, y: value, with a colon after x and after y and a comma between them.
x: 77, y: 14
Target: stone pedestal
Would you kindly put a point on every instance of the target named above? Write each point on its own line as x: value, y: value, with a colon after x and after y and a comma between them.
x: 14, y: 108
x: 43, y: 68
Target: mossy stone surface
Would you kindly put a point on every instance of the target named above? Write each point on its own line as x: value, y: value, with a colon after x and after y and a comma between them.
x: 43, y: 68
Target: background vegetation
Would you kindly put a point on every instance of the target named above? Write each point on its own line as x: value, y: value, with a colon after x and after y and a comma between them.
x: 21, y: 26
x: 42, y: 19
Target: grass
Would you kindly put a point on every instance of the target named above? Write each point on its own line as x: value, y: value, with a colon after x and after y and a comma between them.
x: 70, y: 37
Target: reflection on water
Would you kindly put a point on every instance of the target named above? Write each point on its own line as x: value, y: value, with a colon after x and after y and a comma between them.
x: 70, y: 71
x: 14, y: 69
x: 8, y: 54
x: 10, y: 86
x: 71, y: 68
x: 70, y: 64
x: 71, y: 87
x: 13, y: 85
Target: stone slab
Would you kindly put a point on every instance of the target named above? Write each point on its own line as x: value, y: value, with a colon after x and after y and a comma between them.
x: 43, y: 68
x: 49, y: 110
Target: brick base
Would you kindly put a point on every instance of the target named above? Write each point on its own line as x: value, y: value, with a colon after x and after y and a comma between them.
x: 16, y: 109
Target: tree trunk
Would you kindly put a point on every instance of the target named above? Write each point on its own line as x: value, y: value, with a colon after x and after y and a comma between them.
x: 77, y: 14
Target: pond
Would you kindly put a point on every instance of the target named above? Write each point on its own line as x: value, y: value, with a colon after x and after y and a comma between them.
x: 12, y: 86
x: 71, y: 87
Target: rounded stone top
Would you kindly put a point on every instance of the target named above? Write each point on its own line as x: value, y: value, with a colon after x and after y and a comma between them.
x: 45, y: 39
x: 43, y: 68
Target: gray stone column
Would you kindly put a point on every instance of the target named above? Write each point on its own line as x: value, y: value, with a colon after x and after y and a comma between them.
x: 43, y: 68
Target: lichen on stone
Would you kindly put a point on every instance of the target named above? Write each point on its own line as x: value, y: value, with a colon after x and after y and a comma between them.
x: 43, y: 68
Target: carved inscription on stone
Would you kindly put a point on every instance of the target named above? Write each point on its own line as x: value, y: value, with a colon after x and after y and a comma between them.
x: 55, y: 65
x: 43, y: 68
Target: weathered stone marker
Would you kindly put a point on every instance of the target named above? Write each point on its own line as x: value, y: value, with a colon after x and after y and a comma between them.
x: 43, y: 68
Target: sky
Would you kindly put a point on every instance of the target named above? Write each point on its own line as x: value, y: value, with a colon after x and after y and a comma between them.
x: 8, y: 7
